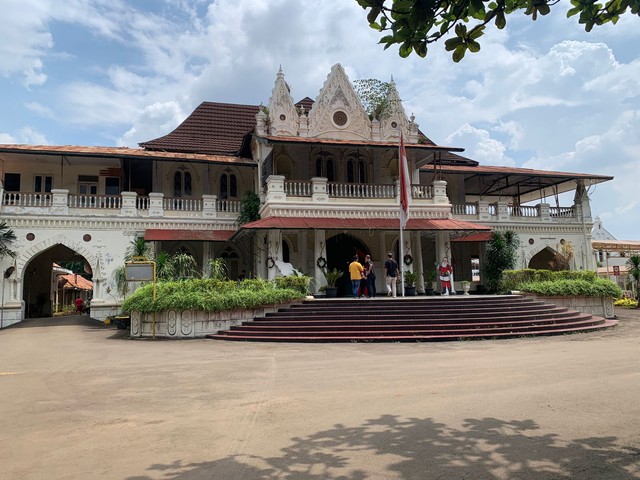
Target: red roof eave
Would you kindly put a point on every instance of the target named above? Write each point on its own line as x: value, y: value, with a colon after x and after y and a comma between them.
x: 327, y: 223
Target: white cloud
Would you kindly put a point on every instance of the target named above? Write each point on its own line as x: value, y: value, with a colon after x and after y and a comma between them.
x: 40, y: 110
x: 480, y: 146
x: 26, y: 135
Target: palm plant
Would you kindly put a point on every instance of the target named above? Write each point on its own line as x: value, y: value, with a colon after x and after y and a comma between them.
x: 217, y: 269
x: 184, y: 265
x: 500, y: 256
x: 7, y: 237
x: 634, y: 270
x: 137, y: 248
x: 165, y: 270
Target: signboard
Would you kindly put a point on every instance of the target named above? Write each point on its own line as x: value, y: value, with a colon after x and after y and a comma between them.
x: 139, y: 271
x: 616, y: 270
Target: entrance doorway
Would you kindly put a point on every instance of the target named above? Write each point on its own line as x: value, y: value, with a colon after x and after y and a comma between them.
x: 341, y: 248
x: 53, y: 280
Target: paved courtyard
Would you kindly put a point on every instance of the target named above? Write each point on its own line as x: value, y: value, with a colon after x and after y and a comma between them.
x: 79, y: 400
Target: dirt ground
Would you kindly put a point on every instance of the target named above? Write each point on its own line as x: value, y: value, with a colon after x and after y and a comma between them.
x: 79, y: 400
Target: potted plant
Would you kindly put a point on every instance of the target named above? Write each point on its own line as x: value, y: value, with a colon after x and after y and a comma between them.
x: 410, y: 279
x: 331, y: 276
x: 465, y: 286
x: 429, y: 280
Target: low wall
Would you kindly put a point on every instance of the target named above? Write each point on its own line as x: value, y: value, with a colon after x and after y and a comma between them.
x: 599, y: 306
x: 193, y: 323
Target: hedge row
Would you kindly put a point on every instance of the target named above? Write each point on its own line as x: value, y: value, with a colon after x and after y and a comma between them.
x: 212, y: 295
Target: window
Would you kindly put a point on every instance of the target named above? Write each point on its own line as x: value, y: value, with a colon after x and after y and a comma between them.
x: 356, y: 171
x: 12, y: 182
x: 228, y: 186
x: 112, y: 186
x: 325, y: 168
x: 42, y: 183
x: 87, y: 185
x: 182, y: 183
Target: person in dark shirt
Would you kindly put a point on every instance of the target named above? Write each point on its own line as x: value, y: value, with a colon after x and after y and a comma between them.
x: 391, y: 275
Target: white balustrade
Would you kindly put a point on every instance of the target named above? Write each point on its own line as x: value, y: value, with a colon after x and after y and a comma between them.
x: 22, y: 199
x: 231, y: 206
x: 94, y: 201
x: 464, y: 209
x: 360, y: 190
x: 562, y: 212
x: 183, y: 204
x: 298, y: 189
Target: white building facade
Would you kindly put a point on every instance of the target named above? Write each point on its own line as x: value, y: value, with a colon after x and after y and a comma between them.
x: 327, y: 178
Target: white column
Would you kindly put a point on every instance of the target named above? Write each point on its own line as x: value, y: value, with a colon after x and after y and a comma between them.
x: 274, y: 243
x: 417, y: 259
x: 319, y: 250
x: 128, y: 207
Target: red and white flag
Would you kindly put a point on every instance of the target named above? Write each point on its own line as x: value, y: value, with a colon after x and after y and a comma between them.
x: 405, y: 184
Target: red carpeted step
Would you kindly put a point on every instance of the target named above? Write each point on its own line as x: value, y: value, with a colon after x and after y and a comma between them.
x: 414, y: 319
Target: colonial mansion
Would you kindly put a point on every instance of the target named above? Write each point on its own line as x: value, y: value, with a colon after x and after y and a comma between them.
x: 326, y: 175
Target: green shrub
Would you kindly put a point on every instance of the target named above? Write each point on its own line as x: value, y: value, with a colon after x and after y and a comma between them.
x: 299, y: 283
x: 209, y: 295
x: 598, y: 287
x: 512, y: 279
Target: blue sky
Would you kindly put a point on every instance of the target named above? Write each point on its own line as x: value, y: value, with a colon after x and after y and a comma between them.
x: 541, y: 94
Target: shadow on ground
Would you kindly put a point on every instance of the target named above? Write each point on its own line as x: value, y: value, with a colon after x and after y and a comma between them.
x: 424, y: 449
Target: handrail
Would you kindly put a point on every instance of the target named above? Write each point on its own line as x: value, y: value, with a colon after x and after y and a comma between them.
x: 182, y: 204
x: 360, y: 190
x: 27, y: 199
x: 77, y: 200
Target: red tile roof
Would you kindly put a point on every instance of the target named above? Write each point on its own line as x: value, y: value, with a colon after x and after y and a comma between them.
x: 75, y: 282
x: 201, y: 235
x: 211, y: 129
x: 290, y: 223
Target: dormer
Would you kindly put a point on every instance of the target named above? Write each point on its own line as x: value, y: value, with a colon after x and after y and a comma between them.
x: 283, y: 115
x: 337, y: 112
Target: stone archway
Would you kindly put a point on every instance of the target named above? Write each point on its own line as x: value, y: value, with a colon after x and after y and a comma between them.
x: 35, y: 272
x: 540, y: 261
x: 340, y: 250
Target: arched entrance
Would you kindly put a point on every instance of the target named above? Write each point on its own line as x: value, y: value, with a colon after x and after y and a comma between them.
x: 340, y: 250
x: 542, y: 259
x: 53, y: 279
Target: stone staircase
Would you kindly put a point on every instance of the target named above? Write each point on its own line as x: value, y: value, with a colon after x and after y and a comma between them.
x: 413, y: 319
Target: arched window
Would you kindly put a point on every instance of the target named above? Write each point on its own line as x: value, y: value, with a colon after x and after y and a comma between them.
x: 228, y: 185
x: 182, y: 183
x: 356, y: 171
x: 325, y: 168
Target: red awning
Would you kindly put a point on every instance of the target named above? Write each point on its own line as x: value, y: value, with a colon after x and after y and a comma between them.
x: 326, y: 223
x: 156, y: 234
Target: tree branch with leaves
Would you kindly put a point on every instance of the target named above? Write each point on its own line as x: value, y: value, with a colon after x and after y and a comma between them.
x: 414, y: 24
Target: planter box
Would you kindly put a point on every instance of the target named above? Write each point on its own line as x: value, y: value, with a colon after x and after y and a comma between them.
x: 599, y: 306
x: 193, y: 323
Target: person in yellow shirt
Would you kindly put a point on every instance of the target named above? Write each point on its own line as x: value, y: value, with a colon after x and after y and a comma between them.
x: 356, y: 271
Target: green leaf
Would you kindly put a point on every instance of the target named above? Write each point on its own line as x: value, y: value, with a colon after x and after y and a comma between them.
x: 452, y: 44
x: 501, y: 21
x: 373, y: 14
x: 473, y: 46
x: 458, y: 53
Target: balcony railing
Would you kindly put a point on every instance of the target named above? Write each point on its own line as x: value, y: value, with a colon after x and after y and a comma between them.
x: 27, y: 199
x: 491, y: 211
x: 182, y: 204
x: 354, y: 190
x: 94, y: 201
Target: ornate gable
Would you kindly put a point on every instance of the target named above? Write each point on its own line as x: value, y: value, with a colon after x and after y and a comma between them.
x: 283, y: 115
x: 337, y: 112
x: 395, y: 119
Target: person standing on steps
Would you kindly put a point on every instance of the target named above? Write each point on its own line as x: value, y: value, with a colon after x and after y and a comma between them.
x: 355, y: 273
x: 370, y: 270
x: 391, y: 275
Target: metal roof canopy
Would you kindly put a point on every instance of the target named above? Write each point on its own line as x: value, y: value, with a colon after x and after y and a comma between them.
x: 527, y: 184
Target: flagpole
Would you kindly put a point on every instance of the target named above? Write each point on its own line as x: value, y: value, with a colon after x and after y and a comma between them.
x: 405, y: 187
x: 401, y: 259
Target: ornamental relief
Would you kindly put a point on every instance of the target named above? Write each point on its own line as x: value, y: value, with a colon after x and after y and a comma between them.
x: 337, y: 112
